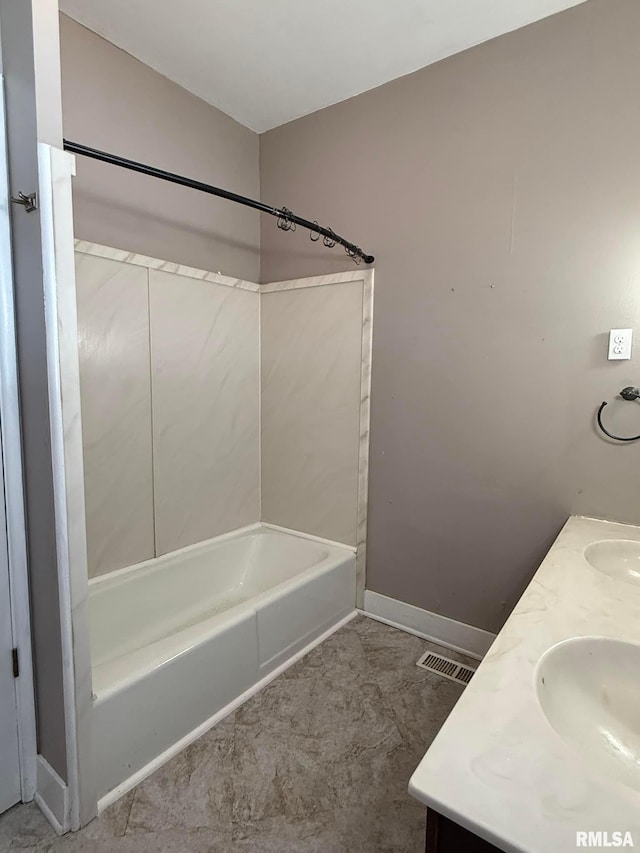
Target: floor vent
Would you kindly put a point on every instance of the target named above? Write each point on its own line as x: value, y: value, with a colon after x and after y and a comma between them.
x: 446, y: 667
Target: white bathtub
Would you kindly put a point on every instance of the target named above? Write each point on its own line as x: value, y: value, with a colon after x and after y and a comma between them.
x: 176, y: 639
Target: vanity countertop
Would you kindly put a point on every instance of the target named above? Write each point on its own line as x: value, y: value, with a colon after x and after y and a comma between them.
x: 497, y: 767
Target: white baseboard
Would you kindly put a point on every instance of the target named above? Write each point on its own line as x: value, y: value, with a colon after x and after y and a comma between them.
x: 471, y: 641
x: 184, y: 742
x: 52, y: 796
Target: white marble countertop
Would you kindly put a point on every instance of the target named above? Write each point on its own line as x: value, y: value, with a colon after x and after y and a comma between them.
x: 497, y: 767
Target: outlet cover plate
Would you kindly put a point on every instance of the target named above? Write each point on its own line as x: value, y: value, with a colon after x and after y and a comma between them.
x: 620, y: 343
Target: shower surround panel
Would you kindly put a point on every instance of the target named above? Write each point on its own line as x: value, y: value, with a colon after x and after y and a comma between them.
x: 206, y: 428
x: 169, y: 366
x: 313, y: 341
x: 311, y: 409
x: 115, y: 366
x: 220, y: 403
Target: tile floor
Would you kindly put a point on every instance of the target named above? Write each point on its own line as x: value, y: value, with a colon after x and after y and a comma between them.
x: 317, y: 761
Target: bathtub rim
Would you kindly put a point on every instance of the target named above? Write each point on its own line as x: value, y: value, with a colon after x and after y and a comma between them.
x: 238, y: 532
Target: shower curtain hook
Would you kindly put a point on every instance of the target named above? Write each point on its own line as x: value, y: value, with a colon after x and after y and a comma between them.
x: 317, y: 233
x: 285, y: 222
x: 328, y: 241
x: 355, y: 253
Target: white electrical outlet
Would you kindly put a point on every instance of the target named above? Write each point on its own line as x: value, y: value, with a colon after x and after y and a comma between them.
x: 620, y: 343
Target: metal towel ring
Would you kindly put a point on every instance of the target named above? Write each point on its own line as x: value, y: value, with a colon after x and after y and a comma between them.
x: 628, y: 393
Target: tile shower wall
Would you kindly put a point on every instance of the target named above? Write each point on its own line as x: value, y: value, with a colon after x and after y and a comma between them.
x: 206, y: 385
x: 311, y: 374
x: 113, y: 327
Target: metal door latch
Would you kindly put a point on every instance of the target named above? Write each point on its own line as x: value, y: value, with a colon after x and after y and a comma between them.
x: 27, y: 200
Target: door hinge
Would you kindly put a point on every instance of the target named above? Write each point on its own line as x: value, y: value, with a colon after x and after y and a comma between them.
x: 16, y: 663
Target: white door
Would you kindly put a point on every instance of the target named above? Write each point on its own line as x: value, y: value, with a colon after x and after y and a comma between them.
x: 9, y: 758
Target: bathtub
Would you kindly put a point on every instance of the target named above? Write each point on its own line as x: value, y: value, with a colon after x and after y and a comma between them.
x: 178, y: 640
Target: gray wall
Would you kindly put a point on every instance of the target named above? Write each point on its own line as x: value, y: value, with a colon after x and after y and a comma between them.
x: 500, y: 191
x: 115, y: 103
x: 35, y: 116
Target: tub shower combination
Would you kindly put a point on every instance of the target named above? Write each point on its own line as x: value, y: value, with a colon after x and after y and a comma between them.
x: 211, y: 405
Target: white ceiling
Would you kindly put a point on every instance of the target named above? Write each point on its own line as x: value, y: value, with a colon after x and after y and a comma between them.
x: 266, y: 62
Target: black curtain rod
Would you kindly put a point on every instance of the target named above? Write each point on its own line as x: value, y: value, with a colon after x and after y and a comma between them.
x: 287, y: 220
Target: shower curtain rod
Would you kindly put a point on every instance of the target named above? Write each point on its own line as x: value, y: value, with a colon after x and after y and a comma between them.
x: 287, y: 220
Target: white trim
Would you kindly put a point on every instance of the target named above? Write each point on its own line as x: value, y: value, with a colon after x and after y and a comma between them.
x: 471, y: 641
x: 316, y: 281
x: 259, y: 407
x: 13, y: 487
x: 366, y: 354
x: 52, y: 796
x: 56, y: 168
x: 184, y: 742
x: 45, y: 198
x: 87, y: 248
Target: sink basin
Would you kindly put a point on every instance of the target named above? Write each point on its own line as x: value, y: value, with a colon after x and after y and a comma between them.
x: 618, y: 558
x: 589, y: 690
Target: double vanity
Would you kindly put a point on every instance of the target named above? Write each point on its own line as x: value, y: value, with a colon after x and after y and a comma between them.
x: 541, y: 754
